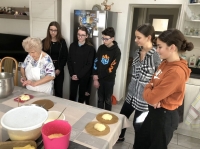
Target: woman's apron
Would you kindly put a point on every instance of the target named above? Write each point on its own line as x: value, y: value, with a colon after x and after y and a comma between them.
x: 33, y: 74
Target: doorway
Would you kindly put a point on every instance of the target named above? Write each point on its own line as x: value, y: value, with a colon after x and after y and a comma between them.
x: 161, y: 17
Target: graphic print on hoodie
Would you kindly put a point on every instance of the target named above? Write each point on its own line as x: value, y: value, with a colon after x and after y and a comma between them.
x: 105, y: 59
x: 168, y: 84
x: 106, y: 62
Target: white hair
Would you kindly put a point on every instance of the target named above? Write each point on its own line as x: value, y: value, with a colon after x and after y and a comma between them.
x: 32, y: 44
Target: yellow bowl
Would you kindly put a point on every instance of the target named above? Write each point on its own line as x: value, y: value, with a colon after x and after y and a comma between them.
x: 53, y: 115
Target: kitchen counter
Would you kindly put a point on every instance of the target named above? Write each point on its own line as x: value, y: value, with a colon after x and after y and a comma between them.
x: 196, y: 76
x: 77, y: 114
x: 195, y: 73
x: 191, y: 91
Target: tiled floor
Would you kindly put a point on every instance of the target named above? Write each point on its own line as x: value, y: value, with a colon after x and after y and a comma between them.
x: 178, y: 141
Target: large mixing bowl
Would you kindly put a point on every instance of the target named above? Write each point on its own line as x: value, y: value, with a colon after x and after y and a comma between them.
x: 24, y: 123
x: 6, y: 84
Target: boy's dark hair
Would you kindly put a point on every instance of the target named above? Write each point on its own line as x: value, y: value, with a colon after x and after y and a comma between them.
x: 109, y: 31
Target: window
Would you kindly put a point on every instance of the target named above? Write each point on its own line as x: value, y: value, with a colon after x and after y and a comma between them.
x: 161, y: 22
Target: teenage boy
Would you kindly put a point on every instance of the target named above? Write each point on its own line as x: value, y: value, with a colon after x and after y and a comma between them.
x: 105, y: 66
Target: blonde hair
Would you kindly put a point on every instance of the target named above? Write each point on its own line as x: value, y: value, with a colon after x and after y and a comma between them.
x: 32, y: 43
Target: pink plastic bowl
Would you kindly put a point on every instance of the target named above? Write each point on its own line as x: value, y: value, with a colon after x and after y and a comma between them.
x: 56, y: 127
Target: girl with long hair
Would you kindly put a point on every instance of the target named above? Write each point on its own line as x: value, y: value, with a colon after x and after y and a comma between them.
x: 55, y: 46
x: 145, y: 62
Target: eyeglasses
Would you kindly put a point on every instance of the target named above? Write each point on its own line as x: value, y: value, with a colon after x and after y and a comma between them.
x: 105, y: 39
x: 81, y: 35
x: 51, y: 30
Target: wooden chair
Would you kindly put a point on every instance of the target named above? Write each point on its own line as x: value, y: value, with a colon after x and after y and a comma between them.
x: 7, y: 64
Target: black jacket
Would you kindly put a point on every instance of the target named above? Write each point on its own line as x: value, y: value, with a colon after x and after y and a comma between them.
x: 60, y: 58
x: 106, y: 62
x: 80, y: 60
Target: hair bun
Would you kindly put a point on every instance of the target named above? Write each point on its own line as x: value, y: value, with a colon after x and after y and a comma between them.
x: 184, y: 45
x: 187, y: 46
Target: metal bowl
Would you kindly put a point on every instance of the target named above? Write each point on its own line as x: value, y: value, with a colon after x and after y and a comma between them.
x: 6, y: 84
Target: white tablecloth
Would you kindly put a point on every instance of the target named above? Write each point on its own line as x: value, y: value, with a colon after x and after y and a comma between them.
x: 77, y: 114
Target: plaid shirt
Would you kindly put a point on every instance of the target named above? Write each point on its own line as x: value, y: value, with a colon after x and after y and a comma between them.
x: 141, y: 75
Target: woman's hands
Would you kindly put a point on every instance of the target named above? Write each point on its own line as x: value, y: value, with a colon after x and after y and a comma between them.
x: 96, y: 82
x: 74, y: 77
x: 157, y: 105
x: 25, y: 82
x: 23, y: 79
x: 57, y: 72
x: 29, y: 82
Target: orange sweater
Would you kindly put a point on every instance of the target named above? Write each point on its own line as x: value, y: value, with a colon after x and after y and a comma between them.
x: 168, y: 84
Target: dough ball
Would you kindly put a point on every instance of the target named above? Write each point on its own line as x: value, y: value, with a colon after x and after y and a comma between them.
x: 99, y: 127
x: 107, y: 117
x: 24, y: 97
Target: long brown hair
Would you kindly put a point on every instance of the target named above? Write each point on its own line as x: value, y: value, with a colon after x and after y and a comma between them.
x: 47, y: 40
x: 83, y: 28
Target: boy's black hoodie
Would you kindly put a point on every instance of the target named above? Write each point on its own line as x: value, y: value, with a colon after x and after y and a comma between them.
x: 106, y: 62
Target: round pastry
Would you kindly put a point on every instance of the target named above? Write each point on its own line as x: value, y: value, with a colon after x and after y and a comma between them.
x: 107, y: 117
x: 99, y: 127
x: 24, y: 97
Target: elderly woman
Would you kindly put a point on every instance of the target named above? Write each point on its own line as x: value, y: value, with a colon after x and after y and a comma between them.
x: 38, y: 70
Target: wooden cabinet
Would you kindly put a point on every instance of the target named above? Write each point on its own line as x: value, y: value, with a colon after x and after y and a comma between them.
x: 42, y: 12
x: 191, y: 91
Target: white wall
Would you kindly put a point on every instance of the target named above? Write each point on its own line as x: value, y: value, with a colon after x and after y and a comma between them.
x: 124, y: 29
x: 14, y: 3
x: 14, y: 26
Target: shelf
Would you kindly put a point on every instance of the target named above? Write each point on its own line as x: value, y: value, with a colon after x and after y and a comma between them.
x: 194, y: 4
x: 9, y: 16
x: 192, y: 36
x: 193, y: 20
x: 19, y: 9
